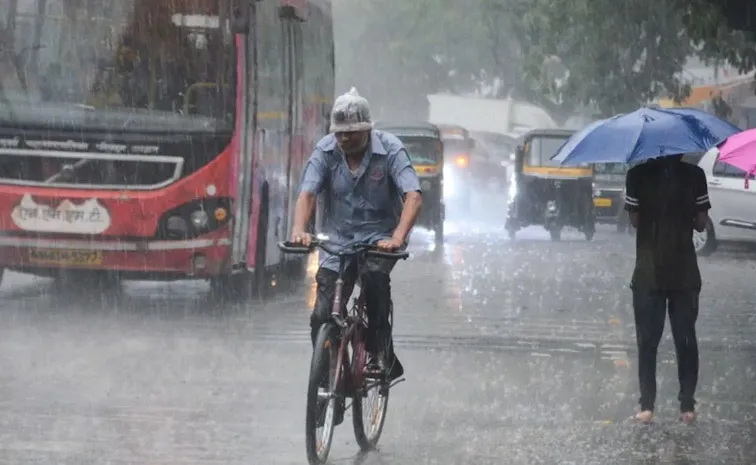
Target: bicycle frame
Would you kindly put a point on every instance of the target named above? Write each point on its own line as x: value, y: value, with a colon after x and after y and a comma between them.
x: 348, y: 325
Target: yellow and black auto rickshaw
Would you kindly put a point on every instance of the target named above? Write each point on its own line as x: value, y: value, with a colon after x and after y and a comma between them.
x: 426, y: 151
x: 545, y: 193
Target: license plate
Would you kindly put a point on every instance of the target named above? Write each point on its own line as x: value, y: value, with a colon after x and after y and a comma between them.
x: 65, y: 257
x: 602, y: 202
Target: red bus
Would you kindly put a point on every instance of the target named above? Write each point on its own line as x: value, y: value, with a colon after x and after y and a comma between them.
x: 158, y: 139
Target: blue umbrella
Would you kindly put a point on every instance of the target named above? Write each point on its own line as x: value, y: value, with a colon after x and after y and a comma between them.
x: 643, y: 134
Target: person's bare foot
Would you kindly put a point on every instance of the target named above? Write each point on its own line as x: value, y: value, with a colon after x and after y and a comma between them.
x: 688, y: 417
x: 645, y: 416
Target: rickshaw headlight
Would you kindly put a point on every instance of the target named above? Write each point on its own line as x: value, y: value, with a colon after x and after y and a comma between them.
x: 425, y: 185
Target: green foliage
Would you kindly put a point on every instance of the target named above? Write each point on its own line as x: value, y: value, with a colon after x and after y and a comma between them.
x: 717, y: 43
x: 562, y: 54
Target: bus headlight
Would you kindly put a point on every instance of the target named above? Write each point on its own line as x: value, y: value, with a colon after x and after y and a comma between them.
x: 199, y: 219
x: 194, y: 218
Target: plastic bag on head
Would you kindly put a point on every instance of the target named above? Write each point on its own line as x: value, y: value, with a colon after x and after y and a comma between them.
x: 350, y: 113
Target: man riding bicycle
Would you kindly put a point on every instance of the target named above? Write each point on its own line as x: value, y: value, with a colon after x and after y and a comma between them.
x: 372, y: 195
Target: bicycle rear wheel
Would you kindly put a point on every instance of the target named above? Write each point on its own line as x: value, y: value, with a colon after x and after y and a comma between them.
x: 321, y: 401
x: 370, y: 401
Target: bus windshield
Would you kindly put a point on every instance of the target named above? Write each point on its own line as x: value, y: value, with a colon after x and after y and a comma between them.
x: 141, y: 64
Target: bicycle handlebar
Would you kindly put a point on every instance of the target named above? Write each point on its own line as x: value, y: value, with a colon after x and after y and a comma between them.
x: 370, y: 250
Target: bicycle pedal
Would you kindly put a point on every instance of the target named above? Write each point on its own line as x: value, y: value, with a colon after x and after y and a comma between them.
x: 395, y: 382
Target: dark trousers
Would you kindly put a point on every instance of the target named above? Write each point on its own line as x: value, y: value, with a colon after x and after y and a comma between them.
x: 377, y: 284
x: 651, y: 307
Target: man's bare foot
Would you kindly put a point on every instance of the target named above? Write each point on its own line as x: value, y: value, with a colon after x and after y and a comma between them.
x: 645, y: 416
x: 688, y: 417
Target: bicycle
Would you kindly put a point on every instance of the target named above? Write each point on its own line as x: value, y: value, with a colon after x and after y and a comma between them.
x: 344, y: 373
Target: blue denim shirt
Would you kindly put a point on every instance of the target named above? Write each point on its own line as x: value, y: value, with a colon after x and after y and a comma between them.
x: 366, y: 206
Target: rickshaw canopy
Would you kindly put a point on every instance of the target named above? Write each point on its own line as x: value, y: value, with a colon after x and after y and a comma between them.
x: 535, y: 149
x: 423, y: 143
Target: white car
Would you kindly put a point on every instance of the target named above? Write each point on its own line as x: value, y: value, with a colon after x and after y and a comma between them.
x: 733, y: 206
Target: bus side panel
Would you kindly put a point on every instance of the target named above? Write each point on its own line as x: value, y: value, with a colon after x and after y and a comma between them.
x: 296, y: 141
x: 240, y: 180
x: 272, y: 141
x: 318, y: 59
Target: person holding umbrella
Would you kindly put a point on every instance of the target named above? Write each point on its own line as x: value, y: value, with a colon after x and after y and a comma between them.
x: 666, y: 199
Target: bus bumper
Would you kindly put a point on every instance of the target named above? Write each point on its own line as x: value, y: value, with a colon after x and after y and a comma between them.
x: 197, y: 258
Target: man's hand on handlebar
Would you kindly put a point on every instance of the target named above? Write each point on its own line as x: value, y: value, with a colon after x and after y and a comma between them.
x: 389, y: 245
x: 301, y: 238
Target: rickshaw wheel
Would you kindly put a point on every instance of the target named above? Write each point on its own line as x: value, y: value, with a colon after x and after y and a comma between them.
x: 556, y: 234
x: 589, y: 235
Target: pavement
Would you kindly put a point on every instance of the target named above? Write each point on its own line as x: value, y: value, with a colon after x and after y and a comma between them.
x: 517, y: 352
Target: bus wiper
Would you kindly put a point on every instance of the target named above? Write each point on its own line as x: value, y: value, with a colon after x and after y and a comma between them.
x: 67, y: 172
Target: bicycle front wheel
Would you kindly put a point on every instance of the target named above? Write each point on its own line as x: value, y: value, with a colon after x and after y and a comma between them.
x: 370, y: 402
x: 321, y: 401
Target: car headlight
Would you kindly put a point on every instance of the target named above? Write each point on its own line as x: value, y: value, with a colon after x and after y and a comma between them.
x: 199, y: 218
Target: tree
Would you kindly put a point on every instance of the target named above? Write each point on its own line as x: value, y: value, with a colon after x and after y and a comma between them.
x: 716, y: 40
x: 561, y: 54
x: 619, y: 54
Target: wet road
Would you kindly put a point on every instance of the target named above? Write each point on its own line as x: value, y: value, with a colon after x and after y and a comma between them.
x: 517, y: 352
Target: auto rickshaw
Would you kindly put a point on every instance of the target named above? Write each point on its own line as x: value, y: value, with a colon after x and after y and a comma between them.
x: 545, y: 193
x: 609, y: 194
x: 426, y: 152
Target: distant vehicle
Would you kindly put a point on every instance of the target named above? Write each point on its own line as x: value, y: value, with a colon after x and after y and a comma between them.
x: 732, y: 217
x: 608, y: 194
x: 485, y: 166
x: 426, y: 152
x: 458, y: 178
x: 501, y: 146
x: 545, y: 193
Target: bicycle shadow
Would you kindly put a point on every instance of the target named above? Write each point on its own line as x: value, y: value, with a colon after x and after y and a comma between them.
x: 373, y: 457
